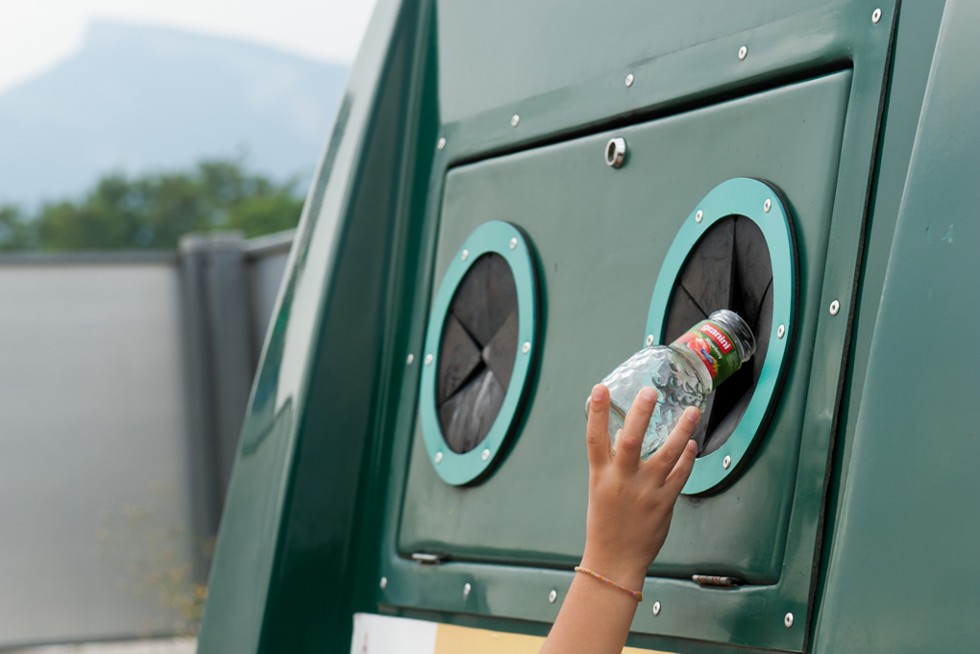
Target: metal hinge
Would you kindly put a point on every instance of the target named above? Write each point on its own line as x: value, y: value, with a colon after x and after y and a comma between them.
x: 716, y: 581
x: 427, y: 558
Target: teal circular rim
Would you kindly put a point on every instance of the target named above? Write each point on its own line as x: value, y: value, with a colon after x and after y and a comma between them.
x: 747, y: 197
x: 506, y: 240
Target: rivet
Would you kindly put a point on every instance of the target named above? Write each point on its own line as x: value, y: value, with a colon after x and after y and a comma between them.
x: 410, y: 359
x: 441, y: 143
x: 876, y: 16
x: 526, y: 347
x: 515, y: 120
x: 649, y: 340
x: 464, y: 255
x: 834, y: 308
x: 726, y: 463
x: 767, y: 205
x: 615, y: 152
x: 466, y: 590
x: 485, y: 454
x: 428, y: 359
x: 699, y: 216
x: 780, y: 331
x: 553, y: 596
x: 513, y: 244
x: 743, y: 52
x: 384, y: 583
x: 788, y: 620
x: 656, y: 608
x: 629, y: 80
x: 438, y: 457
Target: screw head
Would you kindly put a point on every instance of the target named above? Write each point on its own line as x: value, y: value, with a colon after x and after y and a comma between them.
x: 726, y: 463
x: 515, y: 120
x: 876, y: 16
x: 464, y: 255
x: 438, y: 457
x: 743, y: 52
x: 441, y: 143
x: 629, y: 80
x: 767, y: 205
x: 513, y: 243
x: 410, y: 359
x: 553, y: 596
x: 383, y: 583
x: 615, y: 152
x: 788, y: 620
x: 485, y: 454
x: 834, y: 308
x: 656, y: 608
x: 780, y: 331
x: 428, y: 359
x: 649, y: 340
x: 466, y: 590
x: 526, y: 347
x: 699, y: 216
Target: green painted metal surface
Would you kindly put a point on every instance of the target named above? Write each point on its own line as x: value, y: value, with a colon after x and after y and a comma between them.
x: 855, y: 511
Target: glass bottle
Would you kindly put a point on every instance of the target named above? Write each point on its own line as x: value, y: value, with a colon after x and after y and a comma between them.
x: 684, y: 373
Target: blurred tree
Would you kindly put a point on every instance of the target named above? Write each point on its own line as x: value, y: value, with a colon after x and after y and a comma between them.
x: 154, y: 210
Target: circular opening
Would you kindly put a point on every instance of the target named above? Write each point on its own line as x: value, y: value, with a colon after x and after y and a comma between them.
x: 728, y: 268
x: 477, y: 350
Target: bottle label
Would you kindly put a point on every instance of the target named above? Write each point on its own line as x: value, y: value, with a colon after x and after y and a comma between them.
x: 712, y: 344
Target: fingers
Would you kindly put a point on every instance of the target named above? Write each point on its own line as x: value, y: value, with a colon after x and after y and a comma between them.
x: 597, y: 429
x: 670, y: 452
x: 629, y: 442
x: 679, y: 475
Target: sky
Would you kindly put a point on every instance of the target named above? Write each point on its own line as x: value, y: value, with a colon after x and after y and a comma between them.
x: 36, y: 34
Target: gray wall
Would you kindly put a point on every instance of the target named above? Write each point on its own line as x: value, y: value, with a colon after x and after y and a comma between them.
x: 107, y: 432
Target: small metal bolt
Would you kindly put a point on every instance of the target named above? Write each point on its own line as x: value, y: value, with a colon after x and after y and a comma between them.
x: 513, y: 243
x: 441, y: 143
x: 788, y: 620
x: 649, y: 340
x: 726, y: 463
x: 629, y: 80
x: 464, y: 255
x: 438, y: 457
x: 767, y: 205
x: 615, y: 152
x: 553, y: 596
x: 743, y: 52
x: 780, y: 331
x: 410, y: 359
x: 526, y: 347
x: 466, y: 590
x: 515, y: 120
x: 656, y: 608
x: 428, y: 359
x: 699, y: 216
x: 876, y: 16
x: 834, y: 308
x: 384, y: 583
x: 485, y: 454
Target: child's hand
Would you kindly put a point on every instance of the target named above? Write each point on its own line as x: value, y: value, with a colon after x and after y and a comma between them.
x: 631, y: 501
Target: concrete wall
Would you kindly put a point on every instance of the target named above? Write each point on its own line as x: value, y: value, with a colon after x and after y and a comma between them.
x: 115, y: 447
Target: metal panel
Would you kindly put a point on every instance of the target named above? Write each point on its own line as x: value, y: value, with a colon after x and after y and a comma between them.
x: 94, y: 495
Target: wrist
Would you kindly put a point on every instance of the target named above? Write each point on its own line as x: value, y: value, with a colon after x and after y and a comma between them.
x: 629, y: 574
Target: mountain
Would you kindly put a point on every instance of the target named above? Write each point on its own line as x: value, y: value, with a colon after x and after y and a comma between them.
x: 139, y: 98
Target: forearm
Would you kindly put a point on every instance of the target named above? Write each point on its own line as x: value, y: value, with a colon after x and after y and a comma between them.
x: 595, y: 618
